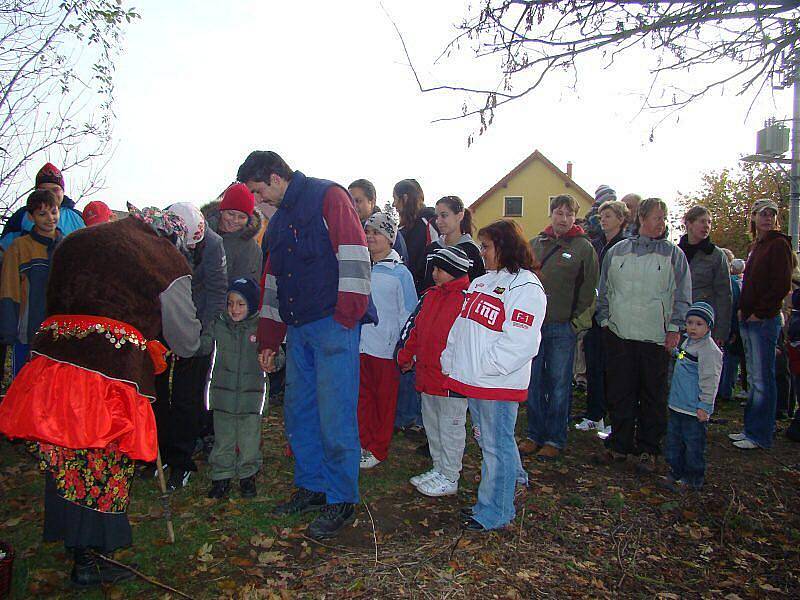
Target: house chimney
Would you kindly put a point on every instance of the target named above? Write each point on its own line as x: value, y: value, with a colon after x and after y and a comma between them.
x: 569, y: 169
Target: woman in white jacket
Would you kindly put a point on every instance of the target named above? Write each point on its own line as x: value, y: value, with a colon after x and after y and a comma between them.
x: 488, y: 360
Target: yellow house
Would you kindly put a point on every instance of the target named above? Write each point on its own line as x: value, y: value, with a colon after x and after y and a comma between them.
x: 524, y: 195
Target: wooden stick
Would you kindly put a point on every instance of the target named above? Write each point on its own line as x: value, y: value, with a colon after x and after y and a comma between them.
x: 165, y: 498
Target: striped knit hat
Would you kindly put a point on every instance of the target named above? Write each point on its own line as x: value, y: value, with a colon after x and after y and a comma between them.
x: 603, y: 194
x: 702, y: 310
x: 452, y: 260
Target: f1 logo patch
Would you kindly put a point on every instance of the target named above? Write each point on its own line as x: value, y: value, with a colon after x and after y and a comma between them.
x: 519, y: 318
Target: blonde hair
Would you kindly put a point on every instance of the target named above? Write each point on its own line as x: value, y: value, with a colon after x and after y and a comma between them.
x: 618, y: 207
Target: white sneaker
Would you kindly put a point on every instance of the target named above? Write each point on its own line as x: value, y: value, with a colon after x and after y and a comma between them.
x: 368, y: 460
x: 438, y: 485
x: 746, y: 444
x: 589, y: 425
x: 604, y: 432
x: 417, y: 480
x: 737, y: 437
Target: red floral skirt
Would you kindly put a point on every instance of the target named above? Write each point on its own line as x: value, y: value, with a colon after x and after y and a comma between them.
x: 60, y: 404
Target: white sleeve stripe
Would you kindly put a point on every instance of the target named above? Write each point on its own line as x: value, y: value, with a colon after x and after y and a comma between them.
x: 270, y: 312
x: 357, y: 286
x: 270, y: 283
x: 352, y: 252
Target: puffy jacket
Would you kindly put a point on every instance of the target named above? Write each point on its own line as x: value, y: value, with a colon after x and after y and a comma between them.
x: 238, y: 385
x: 424, y: 335
x: 569, y: 274
x: 468, y: 245
x: 243, y: 257
x: 645, y: 289
x: 711, y: 282
x: 394, y: 296
x: 496, y: 336
x: 69, y: 220
x: 698, y: 365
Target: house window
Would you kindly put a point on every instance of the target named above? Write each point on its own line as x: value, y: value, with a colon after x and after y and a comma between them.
x: 512, y: 206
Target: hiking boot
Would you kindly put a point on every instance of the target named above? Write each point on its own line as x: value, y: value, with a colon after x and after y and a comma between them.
x: 247, y: 487
x: 332, y: 518
x: 423, y: 450
x: 417, y: 480
x: 548, y: 452
x: 89, y: 571
x: 609, y: 457
x: 528, y: 447
x: 438, y: 485
x: 302, y: 501
x: 219, y: 488
x: 178, y: 478
x: 646, y: 464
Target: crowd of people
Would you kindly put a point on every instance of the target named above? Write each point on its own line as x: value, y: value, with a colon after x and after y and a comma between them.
x: 383, y: 323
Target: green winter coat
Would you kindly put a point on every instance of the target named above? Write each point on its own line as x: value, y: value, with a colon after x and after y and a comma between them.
x: 238, y: 385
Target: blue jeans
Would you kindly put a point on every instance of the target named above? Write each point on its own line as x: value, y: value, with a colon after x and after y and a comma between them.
x: 409, y: 406
x: 595, y: 366
x: 760, y: 339
x: 501, y: 468
x: 685, y: 448
x: 320, y: 408
x: 730, y: 371
x: 20, y: 356
x: 551, y: 384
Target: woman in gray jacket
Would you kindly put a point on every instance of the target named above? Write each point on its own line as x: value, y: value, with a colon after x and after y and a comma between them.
x: 711, y: 281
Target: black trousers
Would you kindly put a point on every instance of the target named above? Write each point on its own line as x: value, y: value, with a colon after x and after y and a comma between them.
x: 636, y: 387
x: 180, y: 409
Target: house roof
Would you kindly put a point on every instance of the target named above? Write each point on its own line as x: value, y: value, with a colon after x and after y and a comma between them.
x: 536, y: 155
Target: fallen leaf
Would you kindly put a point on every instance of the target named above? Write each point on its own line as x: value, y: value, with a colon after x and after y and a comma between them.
x: 265, y: 558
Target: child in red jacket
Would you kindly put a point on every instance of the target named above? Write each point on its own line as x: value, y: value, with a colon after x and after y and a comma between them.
x: 423, y: 339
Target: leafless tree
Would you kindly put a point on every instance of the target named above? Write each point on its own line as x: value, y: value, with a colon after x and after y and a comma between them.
x: 747, y: 47
x: 56, y: 89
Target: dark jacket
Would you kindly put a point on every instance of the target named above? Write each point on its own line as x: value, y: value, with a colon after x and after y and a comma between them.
x: 209, y: 277
x: 417, y: 238
x: 468, y: 245
x: 767, y: 276
x: 711, y: 281
x: 243, y: 257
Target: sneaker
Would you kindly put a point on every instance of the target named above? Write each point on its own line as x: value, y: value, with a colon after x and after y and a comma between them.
x: 247, y: 487
x: 737, y: 437
x: 604, y: 433
x: 746, y: 444
x: 417, y: 480
x: 368, y: 460
x: 302, y: 501
x: 219, y: 488
x: 589, y: 425
x: 178, y: 478
x: 331, y: 520
x: 437, y: 486
x: 646, y: 464
x: 163, y: 469
x: 473, y: 526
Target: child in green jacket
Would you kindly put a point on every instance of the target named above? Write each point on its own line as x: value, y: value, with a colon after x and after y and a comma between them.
x: 238, y: 391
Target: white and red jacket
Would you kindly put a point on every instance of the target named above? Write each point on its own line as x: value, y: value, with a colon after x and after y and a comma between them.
x: 493, y: 341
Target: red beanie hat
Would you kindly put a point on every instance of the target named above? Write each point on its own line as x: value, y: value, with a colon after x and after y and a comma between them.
x: 238, y: 197
x: 96, y: 212
x: 50, y: 174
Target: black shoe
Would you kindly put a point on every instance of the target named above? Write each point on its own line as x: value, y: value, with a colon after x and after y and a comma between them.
x: 89, y: 571
x: 302, y: 501
x: 414, y: 432
x: 219, y: 488
x: 178, y: 478
x: 331, y: 520
x: 466, y: 512
x: 247, y: 487
x: 423, y: 450
x: 473, y: 525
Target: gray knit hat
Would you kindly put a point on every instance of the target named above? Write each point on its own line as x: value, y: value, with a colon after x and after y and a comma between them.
x: 384, y: 223
x: 603, y: 194
x: 702, y: 310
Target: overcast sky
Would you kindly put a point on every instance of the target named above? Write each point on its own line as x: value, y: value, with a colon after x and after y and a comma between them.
x: 326, y: 85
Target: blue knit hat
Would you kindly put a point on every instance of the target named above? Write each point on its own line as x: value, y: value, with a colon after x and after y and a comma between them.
x: 702, y: 310
x: 248, y: 289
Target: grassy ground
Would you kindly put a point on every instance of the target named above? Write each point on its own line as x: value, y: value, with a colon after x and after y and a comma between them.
x: 584, y: 531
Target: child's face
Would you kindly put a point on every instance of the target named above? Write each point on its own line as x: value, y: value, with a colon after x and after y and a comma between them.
x: 377, y: 243
x: 45, y: 219
x: 231, y: 221
x: 237, y: 307
x: 440, y: 276
x: 696, y: 327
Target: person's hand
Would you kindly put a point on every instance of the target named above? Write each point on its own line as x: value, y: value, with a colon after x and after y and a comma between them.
x: 266, y: 360
x: 406, y: 367
x: 702, y: 415
x: 672, y: 341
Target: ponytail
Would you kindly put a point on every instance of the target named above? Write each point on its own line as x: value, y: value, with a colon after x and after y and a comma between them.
x: 456, y: 204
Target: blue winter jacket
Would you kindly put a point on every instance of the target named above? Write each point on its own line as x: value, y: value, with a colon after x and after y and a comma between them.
x: 69, y: 220
x: 698, y: 365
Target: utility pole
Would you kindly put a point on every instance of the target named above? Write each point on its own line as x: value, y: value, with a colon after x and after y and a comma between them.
x: 794, y: 179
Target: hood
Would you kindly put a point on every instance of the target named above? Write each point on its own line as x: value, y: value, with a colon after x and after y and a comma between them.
x: 67, y: 202
x: 575, y: 231
x: 211, y: 213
